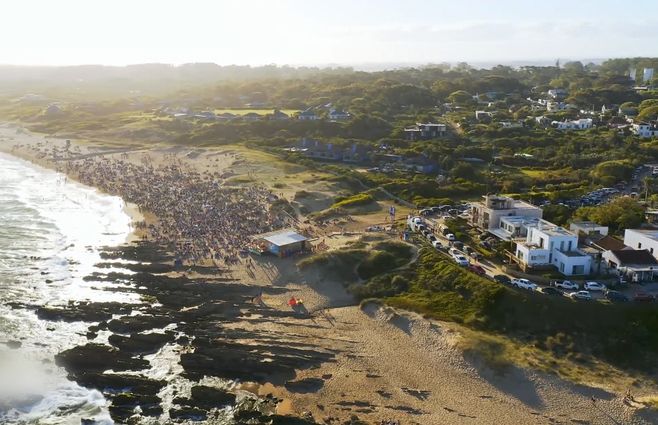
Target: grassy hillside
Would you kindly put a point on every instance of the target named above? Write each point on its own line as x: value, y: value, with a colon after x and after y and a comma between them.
x: 624, y: 335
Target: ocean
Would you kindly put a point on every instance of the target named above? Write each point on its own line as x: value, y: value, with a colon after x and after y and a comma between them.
x: 51, y: 230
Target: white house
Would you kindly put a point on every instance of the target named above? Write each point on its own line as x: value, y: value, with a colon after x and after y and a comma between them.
x: 581, y: 124
x: 557, y: 93
x: 552, y: 106
x: 487, y: 215
x: 547, y: 244
x: 642, y: 239
x: 645, y: 129
x: 337, y: 115
x: 637, y: 265
x: 588, y: 228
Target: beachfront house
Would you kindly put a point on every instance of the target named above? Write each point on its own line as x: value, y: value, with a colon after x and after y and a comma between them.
x: 547, y: 244
x: 636, y: 265
x: 642, y: 239
x: 487, y: 214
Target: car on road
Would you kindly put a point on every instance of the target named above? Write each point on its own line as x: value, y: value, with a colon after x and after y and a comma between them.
x: 615, y: 296
x: 568, y: 285
x: 477, y: 269
x: 501, y: 278
x: 594, y: 286
x: 642, y: 296
x: 451, y: 237
x: 460, y: 259
x: 580, y: 295
x: 436, y: 244
x: 549, y: 290
x: 524, y: 284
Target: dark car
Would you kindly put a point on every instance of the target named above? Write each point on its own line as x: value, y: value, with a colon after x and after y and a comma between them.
x: 459, y: 245
x: 501, y: 278
x: 477, y: 269
x: 643, y: 297
x: 549, y: 290
x: 615, y: 297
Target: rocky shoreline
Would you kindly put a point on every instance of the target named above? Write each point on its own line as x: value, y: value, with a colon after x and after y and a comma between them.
x: 186, y: 314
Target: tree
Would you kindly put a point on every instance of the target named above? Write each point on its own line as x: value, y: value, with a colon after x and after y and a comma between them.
x: 620, y: 213
x: 558, y: 214
x: 460, y: 97
x: 611, y: 172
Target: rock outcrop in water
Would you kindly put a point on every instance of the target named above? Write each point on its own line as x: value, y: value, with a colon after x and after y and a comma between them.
x: 186, y: 312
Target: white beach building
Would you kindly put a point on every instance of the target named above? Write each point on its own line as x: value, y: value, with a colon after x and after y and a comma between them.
x: 548, y: 244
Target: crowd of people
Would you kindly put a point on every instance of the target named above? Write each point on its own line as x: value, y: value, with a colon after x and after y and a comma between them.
x: 197, y: 215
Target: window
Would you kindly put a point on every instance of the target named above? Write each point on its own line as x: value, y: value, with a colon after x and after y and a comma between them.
x: 639, y: 245
x: 562, y: 267
x: 578, y: 269
x: 569, y: 245
x: 651, y: 250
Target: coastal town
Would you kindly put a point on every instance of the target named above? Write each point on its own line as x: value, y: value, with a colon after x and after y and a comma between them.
x: 421, y: 245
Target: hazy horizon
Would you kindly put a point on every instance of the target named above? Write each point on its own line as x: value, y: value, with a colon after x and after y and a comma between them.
x: 258, y: 32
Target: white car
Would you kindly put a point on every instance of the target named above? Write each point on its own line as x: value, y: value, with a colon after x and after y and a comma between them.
x: 524, y: 284
x: 451, y: 237
x: 566, y: 284
x: 595, y: 286
x: 437, y: 245
x: 581, y: 295
x: 460, y: 259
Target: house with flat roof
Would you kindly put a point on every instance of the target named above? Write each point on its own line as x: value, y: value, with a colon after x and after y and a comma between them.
x: 283, y: 243
x: 487, y: 214
x: 642, y: 239
x: 588, y: 228
x: 547, y: 244
x: 425, y: 131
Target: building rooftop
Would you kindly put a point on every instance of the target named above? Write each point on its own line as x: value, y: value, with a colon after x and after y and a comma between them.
x: 586, y: 224
x: 649, y: 233
x: 283, y: 237
x: 635, y: 256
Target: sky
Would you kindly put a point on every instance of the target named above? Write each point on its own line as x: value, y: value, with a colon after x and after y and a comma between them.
x: 345, y: 32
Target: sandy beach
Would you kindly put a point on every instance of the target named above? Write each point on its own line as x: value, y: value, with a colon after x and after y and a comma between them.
x: 384, y: 364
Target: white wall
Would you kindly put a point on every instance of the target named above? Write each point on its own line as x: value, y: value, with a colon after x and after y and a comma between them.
x: 638, y: 240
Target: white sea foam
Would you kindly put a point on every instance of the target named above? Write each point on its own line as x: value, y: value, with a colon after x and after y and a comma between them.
x: 51, y: 230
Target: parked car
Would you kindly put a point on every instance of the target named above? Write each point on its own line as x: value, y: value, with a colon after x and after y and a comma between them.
x: 436, y: 244
x: 615, y: 296
x: 594, y: 286
x: 460, y: 259
x: 426, y: 212
x: 436, y: 210
x: 524, y: 284
x: 580, y: 295
x: 451, y: 237
x: 642, y: 296
x: 459, y: 245
x: 475, y: 255
x: 431, y: 237
x: 568, y: 285
x: 477, y: 269
x: 549, y: 290
x: 501, y: 278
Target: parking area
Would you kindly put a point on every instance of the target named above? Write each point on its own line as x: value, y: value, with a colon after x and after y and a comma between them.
x: 434, y: 231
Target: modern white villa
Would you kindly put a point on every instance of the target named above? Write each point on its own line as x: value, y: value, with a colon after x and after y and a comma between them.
x: 548, y: 244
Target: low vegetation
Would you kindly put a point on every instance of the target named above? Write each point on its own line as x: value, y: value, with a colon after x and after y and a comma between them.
x: 585, y: 334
